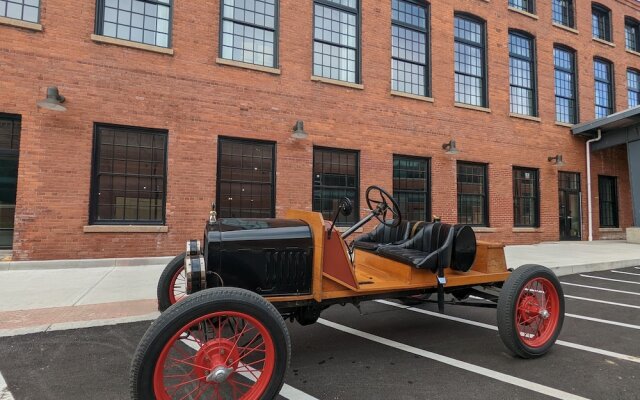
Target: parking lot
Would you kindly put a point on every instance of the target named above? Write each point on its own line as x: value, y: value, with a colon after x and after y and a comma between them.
x: 383, y: 351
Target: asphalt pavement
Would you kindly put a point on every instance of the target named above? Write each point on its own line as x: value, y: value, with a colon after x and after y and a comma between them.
x: 382, y: 351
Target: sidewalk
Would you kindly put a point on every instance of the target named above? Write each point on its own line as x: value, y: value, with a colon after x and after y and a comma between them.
x: 45, y: 296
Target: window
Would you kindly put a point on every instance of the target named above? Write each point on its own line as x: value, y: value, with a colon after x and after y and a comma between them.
x: 526, y: 197
x: 603, y: 87
x: 522, y: 79
x: 246, y: 178
x: 9, y: 146
x: 564, y: 61
x: 562, y: 12
x: 409, y: 63
x: 633, y: 87
x: 143, y: 21
x: 470, y: 72
x: 26, y: 10
x: 411, y: 187
x: 632, y: 34
x: 608, y: 192
x: 472, y: 194
x: 335, y: 176
x: 129, y: 175
x: 336, y: 40
x: 524, y: 5
x: 601, y: 22
x: 249, y: 31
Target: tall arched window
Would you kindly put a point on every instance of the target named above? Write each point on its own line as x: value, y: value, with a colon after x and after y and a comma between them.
x: 470, y: 60
x: 522, y: 74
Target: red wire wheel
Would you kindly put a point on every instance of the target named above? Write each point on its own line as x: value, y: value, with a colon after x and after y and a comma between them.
x: 221, y: 343
x: 172, y: 285
x: 530, y: 311
x: 178, y: 286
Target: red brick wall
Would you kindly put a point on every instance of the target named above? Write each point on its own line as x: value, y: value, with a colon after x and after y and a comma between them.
x: 197, y: 100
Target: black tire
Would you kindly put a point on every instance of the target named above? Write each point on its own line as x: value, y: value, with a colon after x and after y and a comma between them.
x: 507, y: 308
x: 199, y: 305
x: 164, y: 283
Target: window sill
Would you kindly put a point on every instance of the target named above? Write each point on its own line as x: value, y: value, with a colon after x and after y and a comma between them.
x: 524, y: 229
x: 635, y: 53
x: 527, y: 117
x: 130, y: 44
x: 525, y: 13
x: 342, y: 229
x: 470, y: 107
x: 604, y: 42
x: 566, y: 125
x: 18, y: 23
x: 566, y: 28
x: 412, y: 96
x: 125, y: 229
x: 610, y: 229
x: 483, y: 229
x: 337, y: 82
x: 238, y: 64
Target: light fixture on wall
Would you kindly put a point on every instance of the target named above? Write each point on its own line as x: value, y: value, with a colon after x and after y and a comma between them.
x: 53, y: 101
x: 298, y: 131
x: 556, y: 160
x: 450, y: 147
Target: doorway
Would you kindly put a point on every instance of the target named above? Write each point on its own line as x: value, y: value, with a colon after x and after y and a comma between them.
x: 9, y: 145
x: 570, y: 200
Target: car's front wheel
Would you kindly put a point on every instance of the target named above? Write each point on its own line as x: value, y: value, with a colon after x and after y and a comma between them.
x: 530, y: 311
x: 172, y: 285
x: 218, y: 343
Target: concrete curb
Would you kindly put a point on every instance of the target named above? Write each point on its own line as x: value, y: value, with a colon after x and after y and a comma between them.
x: 90, y: 263
x: 562, y: 270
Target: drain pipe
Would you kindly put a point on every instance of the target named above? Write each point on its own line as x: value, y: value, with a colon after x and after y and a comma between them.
x: 589, y: 206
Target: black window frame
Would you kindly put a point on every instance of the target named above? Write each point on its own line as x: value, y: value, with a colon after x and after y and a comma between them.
x: 22, y: 6
x: 567, y: 13
x: 427, y: 181
x: 611, y: 88
x: 528, y: 6
x: 517, y: 197
x: 613, y: 203
x: 631, y: 91
x: 485, y: 192
x: 632, y: 23
x: 601, y: 15
x: 220, y: 181
x: 355, y: 215
x: 574, y: 73
x: 483, y: 46
x: 100, y: 21
x: 95, y: 168
x: 427, y: 34
x: 532, y: 60
x: 13, y: 151
x: 358, y: 49
x: 275, y: 30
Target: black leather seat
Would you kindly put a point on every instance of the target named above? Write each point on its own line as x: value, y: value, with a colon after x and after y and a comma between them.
x: 383, y: 235
x: 430, y: 248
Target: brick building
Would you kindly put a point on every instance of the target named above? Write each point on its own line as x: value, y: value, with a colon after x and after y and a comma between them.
x: 170, y: 105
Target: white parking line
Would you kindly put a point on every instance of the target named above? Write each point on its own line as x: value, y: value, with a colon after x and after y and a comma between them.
x: 603, y: 321
x: 5, y: 394
x: 288, y: 392
x: 601, y: 288
x: 512, y: 380
x: 576, y: 346
x: 609, y: 279
x: 601, y: 301
x: 624, y: 272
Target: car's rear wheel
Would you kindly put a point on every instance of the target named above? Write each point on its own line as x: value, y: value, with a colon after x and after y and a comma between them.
x: 172, y: 285
x: 220, y: 343
x: 530, y: 311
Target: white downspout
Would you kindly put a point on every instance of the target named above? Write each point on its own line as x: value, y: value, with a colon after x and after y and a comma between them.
x: 589, y: 206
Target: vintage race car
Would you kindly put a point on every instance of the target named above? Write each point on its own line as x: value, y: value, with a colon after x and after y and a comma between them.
x: 222, y: 333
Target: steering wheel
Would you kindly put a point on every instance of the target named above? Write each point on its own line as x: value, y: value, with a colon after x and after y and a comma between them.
x: 385, y: 204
